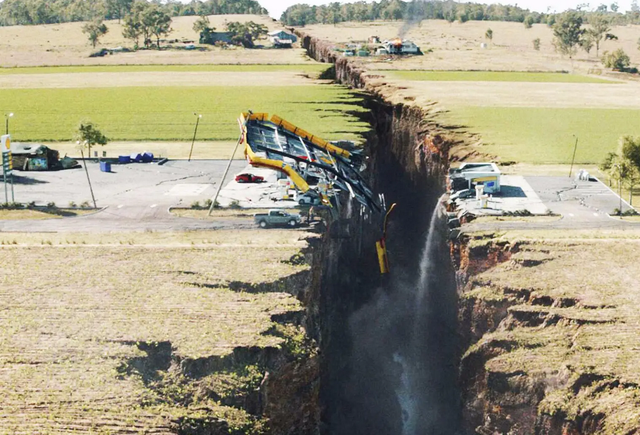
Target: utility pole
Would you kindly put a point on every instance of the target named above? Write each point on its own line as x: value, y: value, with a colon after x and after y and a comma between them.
x: 194, y: 134
x: 619, y: 188
x: 226, y: 171
x: 6, y: 129
x: 88, y: 179
x: 575, y: 148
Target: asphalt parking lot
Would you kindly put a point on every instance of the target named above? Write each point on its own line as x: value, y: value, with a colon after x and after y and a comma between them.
x: 130, y: 185
x: 138, y: 196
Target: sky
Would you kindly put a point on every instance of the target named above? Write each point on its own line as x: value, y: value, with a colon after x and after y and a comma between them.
x: 276, y: 7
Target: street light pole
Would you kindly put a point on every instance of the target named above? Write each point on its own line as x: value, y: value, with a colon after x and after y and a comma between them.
x: 575, y: 148
x: 619, y: 188
x: 87, y: 172
x: 194, y: 134
x: 6, y: 118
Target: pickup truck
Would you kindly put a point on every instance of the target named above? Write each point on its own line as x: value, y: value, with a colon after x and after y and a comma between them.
x: 276, y: 217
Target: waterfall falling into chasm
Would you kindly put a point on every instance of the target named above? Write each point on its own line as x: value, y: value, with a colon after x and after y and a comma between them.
x: 403, y: 363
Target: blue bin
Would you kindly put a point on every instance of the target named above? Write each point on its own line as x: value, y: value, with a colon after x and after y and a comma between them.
x: 105, y: 166
x: 124, y: 159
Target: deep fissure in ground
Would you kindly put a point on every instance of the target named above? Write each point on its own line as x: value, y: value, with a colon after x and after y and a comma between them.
x: 388, y: 344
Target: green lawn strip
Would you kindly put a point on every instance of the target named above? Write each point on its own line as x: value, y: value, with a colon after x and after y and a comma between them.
x: 544, y: 135
x: 166, y: 113
x: 495, y: 76
x: 307, y: 67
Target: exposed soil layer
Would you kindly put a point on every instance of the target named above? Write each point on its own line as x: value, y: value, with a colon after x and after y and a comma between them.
x: 549, y: 345
x: 366, y: 322
x: 543, y: 347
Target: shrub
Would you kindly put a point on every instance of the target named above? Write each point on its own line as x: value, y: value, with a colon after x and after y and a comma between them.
x: 616, y: 60
x: 207, y: 204
x: 72, y: 204
x: 528, y: 22
x: 235, y: 204
x: 51, y: 204
x: 196, y: 205
x: 85, y: 204
x: 536, y: 44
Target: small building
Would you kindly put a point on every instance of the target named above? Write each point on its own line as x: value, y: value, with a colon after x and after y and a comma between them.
x: 33, y: 156
x: 399, y: 46
x: 213, y: 37
x: 469, y: 175
x: 282, y: 38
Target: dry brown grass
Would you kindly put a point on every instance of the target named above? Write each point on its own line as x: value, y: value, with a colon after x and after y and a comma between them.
x: 457, y: 46
x: 65, y: 44
x: 246, y: 213
x: 597, y: 335
x: 37, y: 214
x: 153, y: 79
x: 74, y: 309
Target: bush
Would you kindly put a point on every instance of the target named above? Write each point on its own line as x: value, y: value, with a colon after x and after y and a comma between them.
x: 235, y: 204
x: 85, y: 204
x: 528, y: 22
x: 196, y: 205
x: 72, y: 204
x: 617, y: 60
x: 207, y: 204
x: 536, y: 44
x: 51, y: 204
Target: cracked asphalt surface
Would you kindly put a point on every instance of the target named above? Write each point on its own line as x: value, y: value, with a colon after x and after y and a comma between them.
x: 133, y: 197
x: 582, y: 205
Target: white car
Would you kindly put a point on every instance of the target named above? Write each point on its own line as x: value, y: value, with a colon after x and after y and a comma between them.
x: 308, y: 199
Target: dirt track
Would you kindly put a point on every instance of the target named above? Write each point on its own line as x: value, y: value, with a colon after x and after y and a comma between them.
x: 115, y: 79
x: 623, y: 95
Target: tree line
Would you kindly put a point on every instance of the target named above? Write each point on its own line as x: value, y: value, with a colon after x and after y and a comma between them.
x: 27, y: 12
x: 417, y: 10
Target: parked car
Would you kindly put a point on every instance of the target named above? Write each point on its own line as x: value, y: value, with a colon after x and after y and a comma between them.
x: 277, y: 217
x: 308, y: 199
x: 249, y: 178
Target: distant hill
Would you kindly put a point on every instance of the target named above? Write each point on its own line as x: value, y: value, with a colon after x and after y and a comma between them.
x: 27, y: 12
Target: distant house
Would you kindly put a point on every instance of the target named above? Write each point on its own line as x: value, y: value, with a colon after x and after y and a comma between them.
x: 213, y: 37
x: 281, y: 38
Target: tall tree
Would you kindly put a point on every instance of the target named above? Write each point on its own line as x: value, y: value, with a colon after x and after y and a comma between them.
x: 567, y: 32
x: 600, y: 25
x: 156, y: 22
x: 94, y: 31
x: 246, y: 33
x: 624, y: 166
x: 88, y: 134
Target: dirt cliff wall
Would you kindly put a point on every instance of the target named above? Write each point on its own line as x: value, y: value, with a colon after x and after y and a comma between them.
x: 408, y: 157
x: 409, y: 154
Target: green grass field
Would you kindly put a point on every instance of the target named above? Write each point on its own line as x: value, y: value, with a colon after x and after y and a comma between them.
x: 307, y: 67
x: 495, y: 76
x: 544, y: 135
x: 166, y: 113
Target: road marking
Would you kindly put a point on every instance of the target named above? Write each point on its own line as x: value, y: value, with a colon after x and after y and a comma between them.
x: 187, y: 189
x: 571, y: 215
x: 121, y: 205
x: 596, y: 214
x: 154, y: 205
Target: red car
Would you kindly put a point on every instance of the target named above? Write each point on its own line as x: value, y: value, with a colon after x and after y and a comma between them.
x: 249, y: 178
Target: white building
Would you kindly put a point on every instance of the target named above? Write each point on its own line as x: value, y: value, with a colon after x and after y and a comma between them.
x: 282, y: 38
